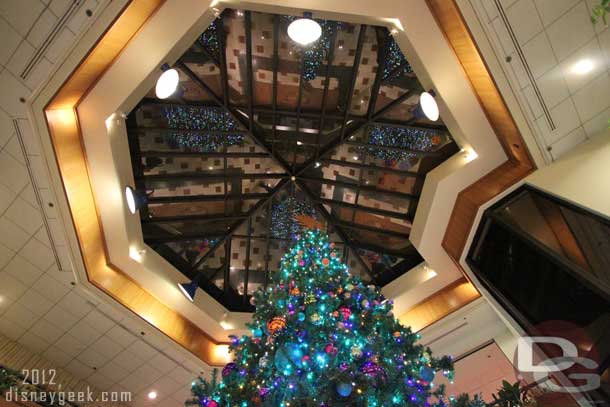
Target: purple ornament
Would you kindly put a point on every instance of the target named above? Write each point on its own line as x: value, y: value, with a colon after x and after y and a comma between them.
x: 228, y: 369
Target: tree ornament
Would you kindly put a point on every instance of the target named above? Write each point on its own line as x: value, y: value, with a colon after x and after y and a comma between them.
x: 356, y: 352
x: 276, y: 325
x: 304, y: 353
x: 426, y: 373
x: 211, y: 403
x: 345, y: 313
x: 228, y: 369
x: 344, y: 389
x: 374, y: 372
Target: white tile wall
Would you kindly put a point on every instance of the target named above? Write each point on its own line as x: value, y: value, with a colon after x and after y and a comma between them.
x: 554, y: 35
x: 40, y: 308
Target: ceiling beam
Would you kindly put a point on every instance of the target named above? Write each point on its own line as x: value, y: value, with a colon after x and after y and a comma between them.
x: 358, y: 226
x: 353, y: 185
x: 364, y: 167
x: 204, y: 198
x: 235, y: 115
x: 374, y: 211
x: 418, y: 153
x: 329, y: 63
x: 199, y: 154
x: 356, y: 66
x: 193, y: 218
x: 204, y: 176
x: 332, y: 221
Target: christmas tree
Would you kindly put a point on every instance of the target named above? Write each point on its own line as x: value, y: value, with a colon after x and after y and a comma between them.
x: 320, y: 337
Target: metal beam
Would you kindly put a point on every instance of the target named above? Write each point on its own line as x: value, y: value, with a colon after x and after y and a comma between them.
x: 329, y: 63
x: 236, y: 116
x: 332, y: 221
x: 354, y: 225
x: 205, y: 198
x: 247, y: 272
x: 193, y: 218
x: 364, y: 167
x: 278, y: 188
x: 375, y: 211
x: 204, y: 176
x: 379, y: 249
x: 354, y: 185
x: 276, y: 64
x: 180, y: 238
x: 419, y: 153
x: 199, y: 154
x: 352, y: 84
x: 249, y: 74
x: 224, y: 77
x: 142, y: 129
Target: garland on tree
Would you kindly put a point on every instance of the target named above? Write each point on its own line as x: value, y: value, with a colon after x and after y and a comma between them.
x: 321, y: 338
x: 208, y: 129
x: 285, y: 215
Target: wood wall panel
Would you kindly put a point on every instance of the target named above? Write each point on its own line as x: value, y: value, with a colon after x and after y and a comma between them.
x: 66, y: 137
x: 440, y: 304
x: 519, y: 163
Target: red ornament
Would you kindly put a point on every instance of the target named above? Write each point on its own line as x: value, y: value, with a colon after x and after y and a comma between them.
x: 345, y: 312
x: 331, y: 349
x: 325, y: 261
x: 211, y: 403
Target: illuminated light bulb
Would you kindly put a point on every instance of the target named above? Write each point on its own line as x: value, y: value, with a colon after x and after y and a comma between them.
x: 167, y: 82
x: 305, y: 30
x: 469, y: 154
x: 152, y: 395
x: 429, y: 106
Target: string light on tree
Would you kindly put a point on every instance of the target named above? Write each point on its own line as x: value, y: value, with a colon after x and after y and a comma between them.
x: 285, y: 215
x: 321, y: 338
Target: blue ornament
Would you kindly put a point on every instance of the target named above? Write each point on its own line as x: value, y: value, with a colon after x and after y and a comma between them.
x: 281, y: 360
x: 426, y: 374
x: 257, y: 332
x: 344, y: 389
x: 301, y: 316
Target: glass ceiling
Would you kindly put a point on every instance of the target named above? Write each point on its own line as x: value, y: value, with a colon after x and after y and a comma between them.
x: 264, y: 137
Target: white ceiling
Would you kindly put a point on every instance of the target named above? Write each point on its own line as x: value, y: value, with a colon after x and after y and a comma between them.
x: 40, y: 309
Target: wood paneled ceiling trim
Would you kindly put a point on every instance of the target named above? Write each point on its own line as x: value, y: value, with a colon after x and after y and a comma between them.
x: 66, y: 137
x: 519, y: 163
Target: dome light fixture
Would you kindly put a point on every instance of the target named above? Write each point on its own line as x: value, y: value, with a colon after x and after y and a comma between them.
x: 167, y: 82
x: 190, y: 289
x: 135, y: 200
x: 427, y: 106
x: 304, y: 30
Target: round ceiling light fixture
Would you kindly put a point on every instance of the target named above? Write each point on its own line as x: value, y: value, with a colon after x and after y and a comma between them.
x: 304, y: 30
x: 135, y: 200
x: 167, y: 82
x: 428, y: 105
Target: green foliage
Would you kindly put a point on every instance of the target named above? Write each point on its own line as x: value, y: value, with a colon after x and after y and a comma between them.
x: 600, y: 10
x: 320, y: 337
x: 8, y: 379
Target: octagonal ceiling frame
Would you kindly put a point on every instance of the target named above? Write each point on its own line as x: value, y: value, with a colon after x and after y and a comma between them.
x: 57, y: 123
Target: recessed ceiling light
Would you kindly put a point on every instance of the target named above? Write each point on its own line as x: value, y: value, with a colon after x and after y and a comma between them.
x: 130, y: 197
x: 152, y: 395
x: 583, y: 66
x: 356, y: 157
x: 304, y: 30
x: 299, y: 143
x: 167, y: 82
x: 318, y: 163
